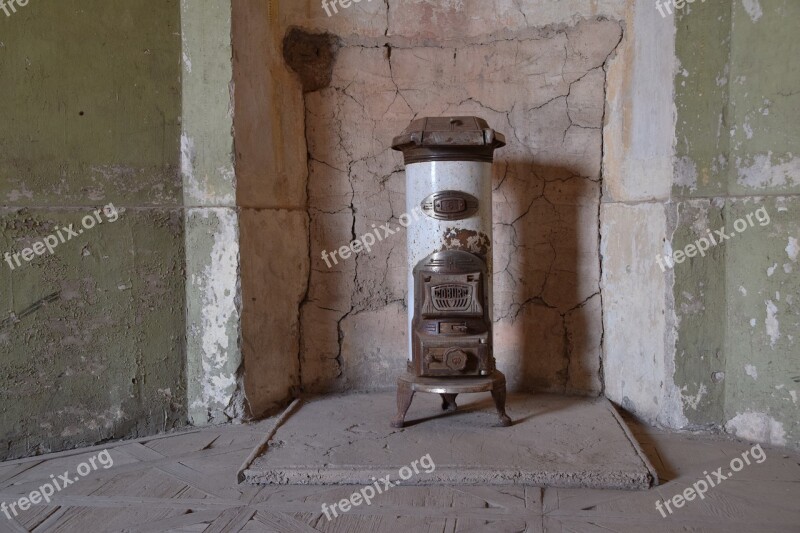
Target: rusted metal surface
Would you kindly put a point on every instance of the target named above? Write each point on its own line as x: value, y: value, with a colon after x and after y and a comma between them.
x: 451, y: 327
x: 448, y: 389
x: 448, y: 139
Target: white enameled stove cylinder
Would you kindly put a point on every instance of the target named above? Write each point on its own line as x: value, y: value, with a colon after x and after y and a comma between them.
x: 448, y: 163
x: 427, y: 235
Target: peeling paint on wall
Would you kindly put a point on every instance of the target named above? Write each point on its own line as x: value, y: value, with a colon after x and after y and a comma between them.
x: 765, y: 170
x: 753, y: 9
x: 187, y: 158
x: 216, y: 284
x: 737, y: 136
x: 213, y: 297
x: 792, y: 250
x: 212, y: 311
x: 758, y: 427
x: 771, y: 323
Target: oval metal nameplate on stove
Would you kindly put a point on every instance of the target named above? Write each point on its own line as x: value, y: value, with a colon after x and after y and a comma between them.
x: 450, y: 205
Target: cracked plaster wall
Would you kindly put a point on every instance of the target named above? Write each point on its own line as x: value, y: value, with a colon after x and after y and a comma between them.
x: 581, y: 303
x: 537, y: 72
x: 545, y: 90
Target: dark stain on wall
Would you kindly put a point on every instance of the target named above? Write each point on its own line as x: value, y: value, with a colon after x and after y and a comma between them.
x: 311, y: 56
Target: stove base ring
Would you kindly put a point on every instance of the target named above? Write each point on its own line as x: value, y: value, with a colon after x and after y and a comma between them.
x: 408, y: 384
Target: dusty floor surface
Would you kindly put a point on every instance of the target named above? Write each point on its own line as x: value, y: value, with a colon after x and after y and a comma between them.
x: 187, y: 483
x: 561, y: 441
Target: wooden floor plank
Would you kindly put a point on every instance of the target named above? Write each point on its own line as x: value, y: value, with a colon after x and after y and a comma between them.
x: 510, y: 498
x: 8, y: 474
x: 427, y: 511
x: 98, y: 448
x: 533, y: 499
x: 183, y: 444
x: 51, y: 520
x: 124, y: 502
x: 513, y: 525
x: 193, y: 478
x: 283, y: 522
x: 383, y: 524
x: 11, y: 526
x: 125, y: 463
x: 174, y: 522
x: 150, y: 483
x: 231, y: 520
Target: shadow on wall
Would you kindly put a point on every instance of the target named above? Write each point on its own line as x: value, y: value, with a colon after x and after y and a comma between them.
x: 547, y: 307
x: 548, y: 328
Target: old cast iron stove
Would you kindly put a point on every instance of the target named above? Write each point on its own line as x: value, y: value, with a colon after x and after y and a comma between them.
x: 448, y: 176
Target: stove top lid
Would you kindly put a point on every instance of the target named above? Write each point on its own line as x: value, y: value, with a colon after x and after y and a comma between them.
x: 448, y: 139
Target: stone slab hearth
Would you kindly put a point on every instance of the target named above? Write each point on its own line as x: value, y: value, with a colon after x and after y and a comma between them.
x: 555, y: 441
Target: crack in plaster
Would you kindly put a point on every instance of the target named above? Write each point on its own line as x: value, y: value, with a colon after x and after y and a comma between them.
x: 373, y: 301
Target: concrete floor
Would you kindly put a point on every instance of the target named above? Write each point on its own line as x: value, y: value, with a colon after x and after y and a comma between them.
x: 556, y: 441
x: 187, y: 482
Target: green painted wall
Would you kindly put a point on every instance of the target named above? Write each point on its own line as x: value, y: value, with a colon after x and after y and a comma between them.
x: 702, y: 45
x: 92, y: 337
x: 738, y: 150
x: 213, y: 301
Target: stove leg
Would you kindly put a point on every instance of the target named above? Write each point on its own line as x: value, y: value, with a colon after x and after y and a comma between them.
x: 449, y: 402
x: 404, y: 396
x: 499, y: 397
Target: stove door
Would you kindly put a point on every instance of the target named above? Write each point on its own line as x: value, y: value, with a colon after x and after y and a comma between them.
x: 467, y: 357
